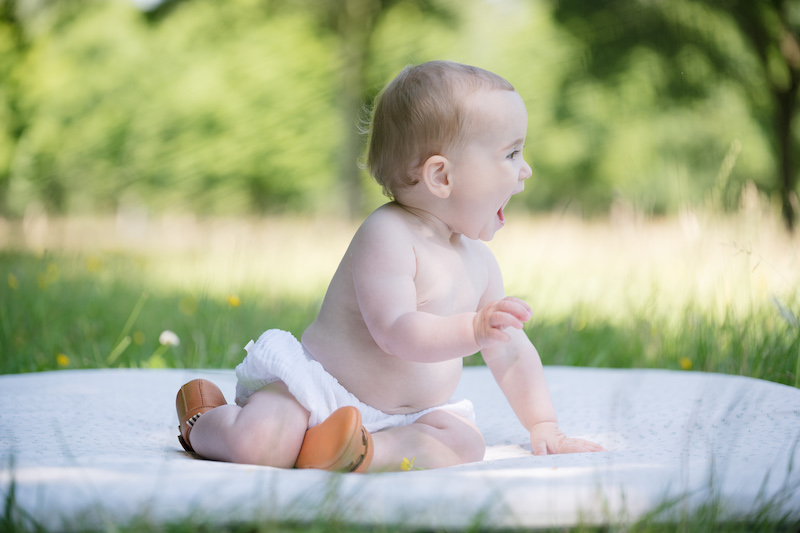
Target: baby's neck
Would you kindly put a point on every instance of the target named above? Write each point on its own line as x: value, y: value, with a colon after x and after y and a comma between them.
x: 430, y: 219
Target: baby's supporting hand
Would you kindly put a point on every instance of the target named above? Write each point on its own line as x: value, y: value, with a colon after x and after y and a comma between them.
x: 547, y: 438
x: 494, y: 317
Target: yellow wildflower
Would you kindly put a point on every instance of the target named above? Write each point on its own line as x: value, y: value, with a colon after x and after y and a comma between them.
x: 48, y: 277
x: 407, y: 465
x: 234, y: 301
x: 13, y: 282
x: 93, y: 264
x: 62, y: 360
x: 685, y: 363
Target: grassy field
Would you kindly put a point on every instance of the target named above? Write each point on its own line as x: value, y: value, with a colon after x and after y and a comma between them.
x: 690, y: 293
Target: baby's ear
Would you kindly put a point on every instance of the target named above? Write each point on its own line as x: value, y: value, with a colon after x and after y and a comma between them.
x: 436, y: 176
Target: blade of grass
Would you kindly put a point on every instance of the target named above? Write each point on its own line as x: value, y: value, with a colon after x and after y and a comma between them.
x: 797, y: 369
x: 118, y: 349
x: 124, y: 339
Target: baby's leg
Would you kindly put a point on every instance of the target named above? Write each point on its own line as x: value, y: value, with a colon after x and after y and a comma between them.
x: 438, y: 439
x: 268, y: 430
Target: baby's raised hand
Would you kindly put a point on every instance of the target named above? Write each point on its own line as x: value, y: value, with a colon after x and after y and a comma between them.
x: 547, y: 438
x: 496, y: 316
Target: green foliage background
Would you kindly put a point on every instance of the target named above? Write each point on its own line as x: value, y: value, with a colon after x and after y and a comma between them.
x: 232, y: 107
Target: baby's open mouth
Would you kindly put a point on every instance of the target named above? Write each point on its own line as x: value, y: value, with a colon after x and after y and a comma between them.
x: 500, y: 215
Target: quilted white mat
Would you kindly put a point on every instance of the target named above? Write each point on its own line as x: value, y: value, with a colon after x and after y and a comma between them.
x: 88, y: 448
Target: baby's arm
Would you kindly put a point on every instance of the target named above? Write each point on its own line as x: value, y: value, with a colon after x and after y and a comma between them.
x: 517, y: 368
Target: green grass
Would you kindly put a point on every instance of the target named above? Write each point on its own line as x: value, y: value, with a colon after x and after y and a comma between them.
x: 709, y: 517
x: 716, y: 296
x: 112, y: 315
x: 759, y: 344
x: 603, y: 295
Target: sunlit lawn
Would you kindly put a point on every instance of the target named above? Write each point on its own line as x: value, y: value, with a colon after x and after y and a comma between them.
x: 691, y: 293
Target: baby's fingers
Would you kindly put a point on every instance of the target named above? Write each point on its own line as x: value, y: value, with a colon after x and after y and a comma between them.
x: 593, y: 447
x: 491, y: 321
x: 527, y: 308
x: 579, y: 446
x: 516, y: 308
x: 496, y: 335
x: 539, y: 447
x: 502, y: 320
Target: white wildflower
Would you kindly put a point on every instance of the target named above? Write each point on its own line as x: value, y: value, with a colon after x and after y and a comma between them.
x: 168, y: 338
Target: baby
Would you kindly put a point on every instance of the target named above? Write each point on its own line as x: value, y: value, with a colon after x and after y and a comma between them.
x: 416, y: 292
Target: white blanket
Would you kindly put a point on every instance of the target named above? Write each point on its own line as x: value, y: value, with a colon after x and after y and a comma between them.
x: 84, y: 448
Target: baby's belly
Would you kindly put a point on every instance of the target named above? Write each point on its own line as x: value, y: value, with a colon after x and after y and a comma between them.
x: 383, y: 381
x: 408, y: 388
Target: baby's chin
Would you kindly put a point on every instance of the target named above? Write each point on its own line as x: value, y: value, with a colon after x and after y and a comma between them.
x: 487, y: 234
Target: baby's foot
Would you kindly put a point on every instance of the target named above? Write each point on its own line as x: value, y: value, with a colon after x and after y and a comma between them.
x: 338, y: 444
x: 195, y: 398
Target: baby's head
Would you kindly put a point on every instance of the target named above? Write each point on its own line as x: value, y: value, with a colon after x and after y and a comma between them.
x: 422, y: 112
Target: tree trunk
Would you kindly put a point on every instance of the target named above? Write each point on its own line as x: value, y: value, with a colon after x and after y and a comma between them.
x: 785, y: 110
x: 350, y: 102
x: 356, y: 23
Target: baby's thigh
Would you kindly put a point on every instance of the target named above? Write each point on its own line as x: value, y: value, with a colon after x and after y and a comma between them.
x: 458, y: 433
x: 272, y: 423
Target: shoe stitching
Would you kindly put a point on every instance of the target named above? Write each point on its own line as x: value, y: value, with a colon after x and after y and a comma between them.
x: 200, y: 392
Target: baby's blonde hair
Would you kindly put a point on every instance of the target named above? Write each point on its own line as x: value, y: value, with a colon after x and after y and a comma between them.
x: 421, y: 113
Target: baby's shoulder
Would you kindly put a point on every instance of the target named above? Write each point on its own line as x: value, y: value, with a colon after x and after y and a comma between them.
x: 383, y: 238
x: 389, y: 221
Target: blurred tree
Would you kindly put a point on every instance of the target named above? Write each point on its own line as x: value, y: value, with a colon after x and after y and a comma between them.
x: 251, y: 124
x: 220, y: 109
x: 353, y: 23
x: 697, y: 49
x: 22, y: 25
x: 14, y: 45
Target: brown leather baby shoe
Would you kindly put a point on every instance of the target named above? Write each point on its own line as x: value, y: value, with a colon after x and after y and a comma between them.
x: 195, y: 398
x: 339, y: 444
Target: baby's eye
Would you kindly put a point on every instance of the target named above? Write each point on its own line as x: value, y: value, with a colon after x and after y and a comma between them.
x: 513, y: 154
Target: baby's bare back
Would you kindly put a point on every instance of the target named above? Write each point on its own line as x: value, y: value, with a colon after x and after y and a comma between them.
x: 449, y: 277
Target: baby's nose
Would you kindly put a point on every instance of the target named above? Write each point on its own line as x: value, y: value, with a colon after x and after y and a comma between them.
x: 526, y: 171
